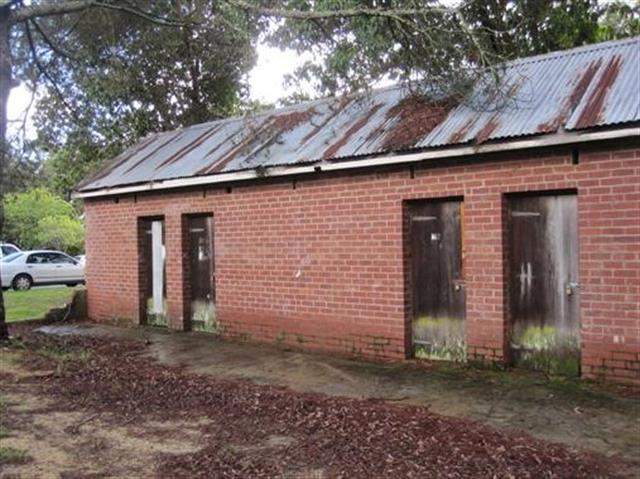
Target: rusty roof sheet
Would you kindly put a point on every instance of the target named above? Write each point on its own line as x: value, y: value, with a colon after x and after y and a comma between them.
x: 587, y: 87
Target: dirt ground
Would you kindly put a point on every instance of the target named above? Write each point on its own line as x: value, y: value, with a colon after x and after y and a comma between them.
x: 109, y: 402
x: 79, y: 444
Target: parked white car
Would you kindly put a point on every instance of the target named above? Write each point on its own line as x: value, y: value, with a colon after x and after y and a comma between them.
x: 25, y: 269
x: 7, y: 248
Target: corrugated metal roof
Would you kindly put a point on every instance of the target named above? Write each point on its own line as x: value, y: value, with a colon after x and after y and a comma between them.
x: 582, y: 88
x: 586, y: 87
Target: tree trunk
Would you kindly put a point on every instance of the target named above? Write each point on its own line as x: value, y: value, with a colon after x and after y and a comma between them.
x: 5, y: 88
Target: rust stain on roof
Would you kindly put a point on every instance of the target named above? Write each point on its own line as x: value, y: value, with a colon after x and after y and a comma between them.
x: 494, y: 123
x: 190, y: 147
x: 572, y: 101
x: 171, y: 139
x: 289, y: 121
x: 220, y: 144
x: 592, y: 113
x: 459, y: 135
x: 220, y: 163
x: 487, y: 130
x: 120, y: 161
x: 415, y: 116
x: 266, y: 134
x: 342, y: 104
x: 335, y: 147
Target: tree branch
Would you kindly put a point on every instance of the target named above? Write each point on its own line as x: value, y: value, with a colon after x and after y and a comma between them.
x: 55, y: 48
x: 342, y: 13
x: 32, y: 12
x: 44, y: 71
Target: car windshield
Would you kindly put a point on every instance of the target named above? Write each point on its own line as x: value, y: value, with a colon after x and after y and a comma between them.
x: 11, y: 257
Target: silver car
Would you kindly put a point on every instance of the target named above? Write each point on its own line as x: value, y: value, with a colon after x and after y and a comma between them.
x: 25, y: 269
x: 7, y: 248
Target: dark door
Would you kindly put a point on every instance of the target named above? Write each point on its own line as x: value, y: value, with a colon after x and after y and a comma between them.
x: 543, y: 293
x: 153, y: 271
x: 202, y: 273
x: 438, y: 324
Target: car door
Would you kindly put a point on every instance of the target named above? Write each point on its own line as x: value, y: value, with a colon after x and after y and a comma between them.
x: 66, y: 269
x: 40, y: 267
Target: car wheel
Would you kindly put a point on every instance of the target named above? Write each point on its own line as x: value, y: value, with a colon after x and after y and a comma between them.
x: 22, y: 282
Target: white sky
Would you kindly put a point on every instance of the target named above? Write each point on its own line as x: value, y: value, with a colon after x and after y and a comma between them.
x: 266, y: 80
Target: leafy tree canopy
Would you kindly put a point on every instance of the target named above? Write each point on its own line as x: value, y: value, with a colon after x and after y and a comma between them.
x: 36, y: 218
x: 354, y: 52
x: 62, y: 233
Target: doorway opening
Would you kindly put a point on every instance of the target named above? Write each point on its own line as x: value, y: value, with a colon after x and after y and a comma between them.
x: 152, y: 271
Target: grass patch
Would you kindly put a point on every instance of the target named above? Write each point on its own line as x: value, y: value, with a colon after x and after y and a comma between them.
x: 35, y: 303
x: 11, y: 455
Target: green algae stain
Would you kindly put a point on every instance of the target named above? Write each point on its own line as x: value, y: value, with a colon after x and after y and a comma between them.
x: 439, y: 338
x: 547, y: 349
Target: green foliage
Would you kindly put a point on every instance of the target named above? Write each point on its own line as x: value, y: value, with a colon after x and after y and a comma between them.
x: 444, y: 48
x: 37, y: 218
x: 521, y: 28
x: 61, y: 232
x: 620, y: 20
x: 355, y: 52
x: 20, y: 174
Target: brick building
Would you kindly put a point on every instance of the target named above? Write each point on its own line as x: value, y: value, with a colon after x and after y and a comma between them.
x: 395, y: 224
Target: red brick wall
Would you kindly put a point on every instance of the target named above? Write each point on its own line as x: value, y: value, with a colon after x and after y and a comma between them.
x: 321, y: 265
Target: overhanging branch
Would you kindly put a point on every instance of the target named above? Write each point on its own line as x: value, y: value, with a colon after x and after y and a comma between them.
x: 339, y: 13
x: 32, y: 12
x: 43, y: 71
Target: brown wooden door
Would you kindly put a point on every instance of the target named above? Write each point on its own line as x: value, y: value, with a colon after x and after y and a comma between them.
x: 438, y: 325
x: 543, y: 292
x: 202, y: 273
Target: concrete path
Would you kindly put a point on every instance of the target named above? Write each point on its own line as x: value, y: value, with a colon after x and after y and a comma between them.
x: 564, y: 411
